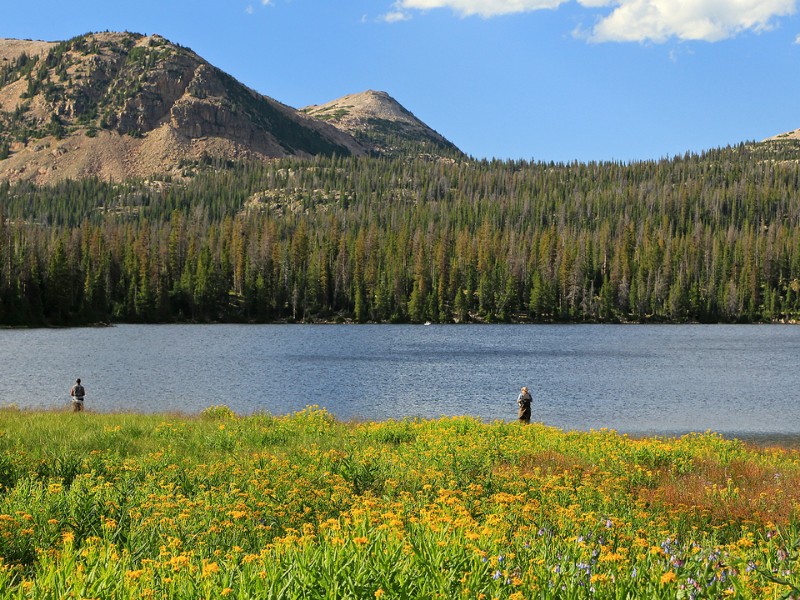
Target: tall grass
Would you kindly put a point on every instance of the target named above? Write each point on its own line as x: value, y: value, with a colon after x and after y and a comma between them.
x: 302, y: 506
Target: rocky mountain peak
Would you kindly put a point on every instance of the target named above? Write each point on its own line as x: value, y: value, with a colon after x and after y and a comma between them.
x: 381, y: 123
x: 354, y: 109
x: 119, y: 105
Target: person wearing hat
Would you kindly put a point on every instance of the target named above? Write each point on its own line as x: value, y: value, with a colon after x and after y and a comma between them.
x: 77, y: 392
x: 524, y: 402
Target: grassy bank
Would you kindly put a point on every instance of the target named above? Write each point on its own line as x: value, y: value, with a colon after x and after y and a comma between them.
x: 303, y: 506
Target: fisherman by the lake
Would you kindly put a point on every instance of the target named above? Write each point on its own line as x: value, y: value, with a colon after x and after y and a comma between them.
x: 524, y: 402
x: 78, y: 392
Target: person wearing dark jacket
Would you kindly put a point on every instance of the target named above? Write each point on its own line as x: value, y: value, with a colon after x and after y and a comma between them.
x: 524, y: 402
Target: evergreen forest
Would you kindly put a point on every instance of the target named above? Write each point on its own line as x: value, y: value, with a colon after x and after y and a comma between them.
x: 711, y: 237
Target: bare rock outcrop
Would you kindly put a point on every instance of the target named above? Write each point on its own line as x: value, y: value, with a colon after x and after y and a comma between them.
x: 119, y: 105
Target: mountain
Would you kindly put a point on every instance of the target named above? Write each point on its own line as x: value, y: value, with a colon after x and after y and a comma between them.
x: 119, y: 105
x: 380, y: 123
x: 789, y: 135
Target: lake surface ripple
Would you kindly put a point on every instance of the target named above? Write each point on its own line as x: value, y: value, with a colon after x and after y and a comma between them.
x: 738, y: 380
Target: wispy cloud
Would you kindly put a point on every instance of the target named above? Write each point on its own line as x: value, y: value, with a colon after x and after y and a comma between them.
x: 482, y: 8
x: 396, y: 16
x: 250, y: 9
x: 635, y: 20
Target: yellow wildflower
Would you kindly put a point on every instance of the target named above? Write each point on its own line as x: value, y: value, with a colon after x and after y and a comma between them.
x: 668, y: 577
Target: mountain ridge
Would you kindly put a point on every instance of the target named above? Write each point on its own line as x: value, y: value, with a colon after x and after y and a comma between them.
x: 121, y: 105
x: 124, y: 105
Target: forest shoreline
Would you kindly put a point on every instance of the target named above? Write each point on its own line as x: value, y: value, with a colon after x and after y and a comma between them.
x: 351, y: 321
x: 705, y: 238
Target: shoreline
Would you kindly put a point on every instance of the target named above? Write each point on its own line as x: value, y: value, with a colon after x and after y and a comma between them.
x: 759, y: 440
x: 353, y: 322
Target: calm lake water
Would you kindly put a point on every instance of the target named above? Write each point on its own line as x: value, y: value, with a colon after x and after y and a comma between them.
x: 663, y: 379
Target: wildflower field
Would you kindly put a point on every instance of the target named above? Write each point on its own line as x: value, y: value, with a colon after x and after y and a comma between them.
x: 114, y: 506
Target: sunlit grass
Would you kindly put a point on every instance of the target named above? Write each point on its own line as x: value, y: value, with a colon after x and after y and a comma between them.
x: 304, y: 506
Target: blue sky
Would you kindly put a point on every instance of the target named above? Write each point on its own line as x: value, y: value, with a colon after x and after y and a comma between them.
x: 543, y: 80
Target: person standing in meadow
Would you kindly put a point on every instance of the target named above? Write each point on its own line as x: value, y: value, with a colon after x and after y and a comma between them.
x: 77, y: 393
x: 524, y: 402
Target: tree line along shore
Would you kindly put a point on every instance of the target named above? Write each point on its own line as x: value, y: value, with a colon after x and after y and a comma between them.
x: 713, y: 237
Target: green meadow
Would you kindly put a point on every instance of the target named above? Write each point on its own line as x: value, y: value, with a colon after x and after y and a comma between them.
x: 124, y: 506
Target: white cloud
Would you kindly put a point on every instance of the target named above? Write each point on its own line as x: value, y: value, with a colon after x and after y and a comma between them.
x: 266, y: 2
x: 249, y: 9
x: 396, y: 16
x: 708, y: 20
x: 634, y: 20
x: 797, y: 39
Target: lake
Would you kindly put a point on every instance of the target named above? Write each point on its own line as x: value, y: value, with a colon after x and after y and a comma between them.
x: 739, y: 380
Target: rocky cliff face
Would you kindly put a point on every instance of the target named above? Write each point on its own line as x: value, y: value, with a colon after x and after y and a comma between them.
x: 119, y: 105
